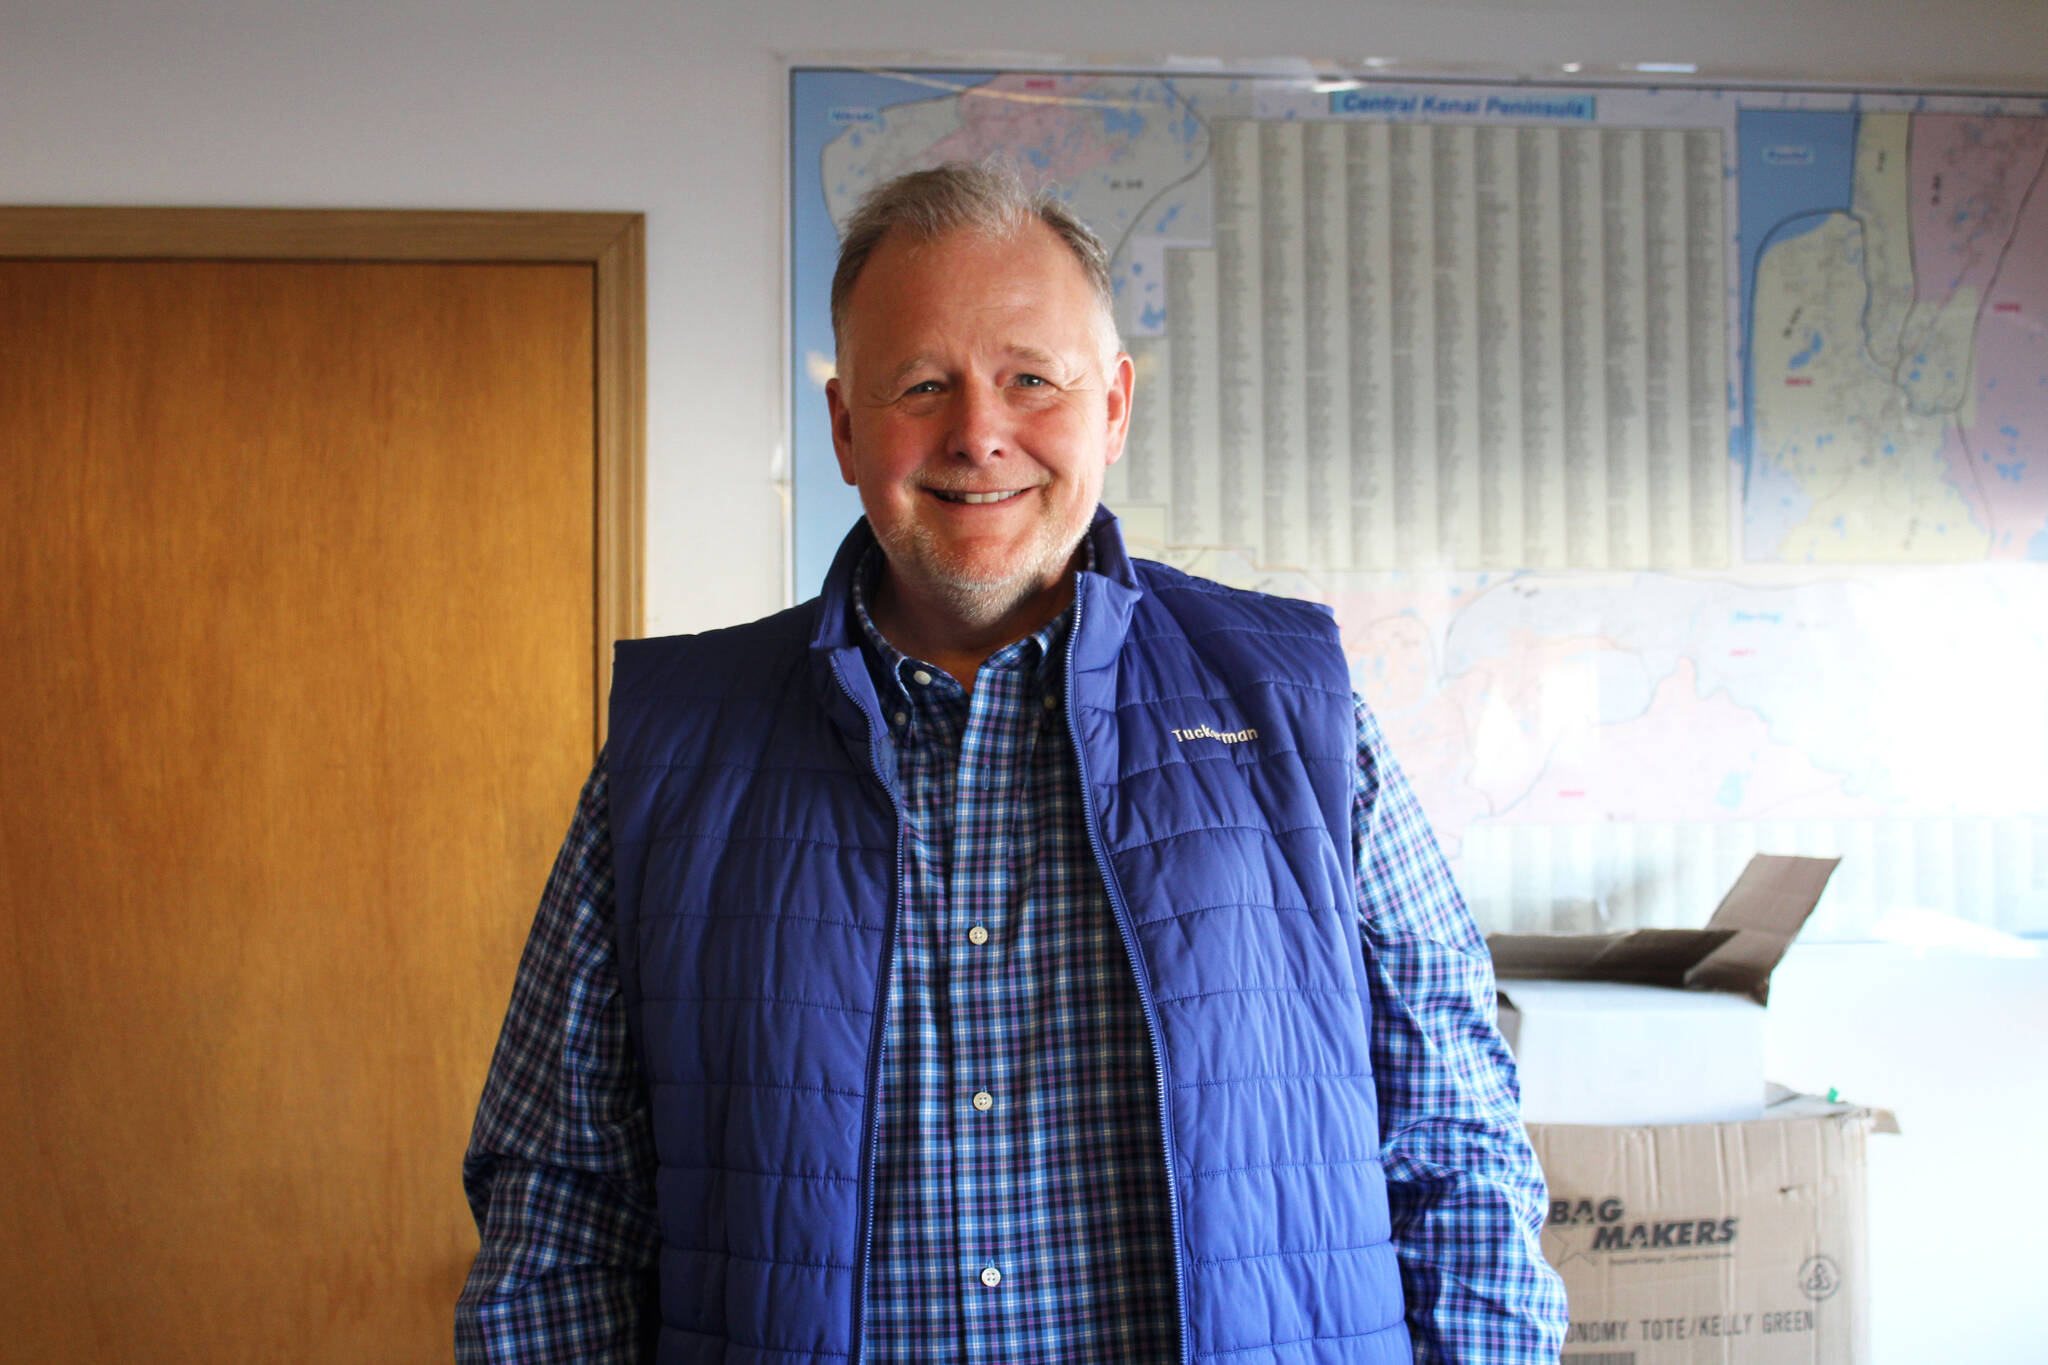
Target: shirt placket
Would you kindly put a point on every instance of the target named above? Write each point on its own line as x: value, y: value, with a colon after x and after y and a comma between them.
x: 918, y: 1243
x: 989, y: 1141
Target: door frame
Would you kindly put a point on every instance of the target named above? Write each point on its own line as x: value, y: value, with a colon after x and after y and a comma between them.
x: 612, y: 244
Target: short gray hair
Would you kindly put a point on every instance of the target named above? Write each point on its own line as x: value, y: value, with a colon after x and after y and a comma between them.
x: 989, y: 198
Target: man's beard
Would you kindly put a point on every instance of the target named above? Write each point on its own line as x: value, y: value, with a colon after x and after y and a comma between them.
x: 982, y: 599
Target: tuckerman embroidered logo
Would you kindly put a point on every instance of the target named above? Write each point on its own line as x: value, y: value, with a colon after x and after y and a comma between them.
x: 1226, y: 736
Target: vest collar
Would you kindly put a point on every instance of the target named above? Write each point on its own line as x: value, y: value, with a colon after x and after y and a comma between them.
x: 1104, y: 599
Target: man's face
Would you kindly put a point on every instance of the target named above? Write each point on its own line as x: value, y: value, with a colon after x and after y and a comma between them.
x: 976, y: 412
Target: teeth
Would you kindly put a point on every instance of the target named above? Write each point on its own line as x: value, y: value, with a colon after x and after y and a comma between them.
x: 977, y: 499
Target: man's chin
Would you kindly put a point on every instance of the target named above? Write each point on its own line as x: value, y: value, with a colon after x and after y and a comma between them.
x: 985, y: 595
x: 979, y: 591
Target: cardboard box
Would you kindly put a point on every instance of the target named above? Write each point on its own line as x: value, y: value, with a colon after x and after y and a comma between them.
x: 1654, y: 1025
x: 1714, y: 1243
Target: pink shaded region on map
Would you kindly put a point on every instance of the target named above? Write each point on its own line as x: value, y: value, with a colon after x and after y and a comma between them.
x: 1028, y: 117
x: 1503, y: 742
x: 1969, y: 177
x: 1686, y: 758
x: 1985, y: 230
x: 1429, y: 728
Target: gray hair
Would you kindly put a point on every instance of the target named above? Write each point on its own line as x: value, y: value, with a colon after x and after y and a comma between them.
x: 988, y: 198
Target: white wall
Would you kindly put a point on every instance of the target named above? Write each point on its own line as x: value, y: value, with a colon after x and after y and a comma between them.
x: 676, y: 109
x: 1952, y: 1044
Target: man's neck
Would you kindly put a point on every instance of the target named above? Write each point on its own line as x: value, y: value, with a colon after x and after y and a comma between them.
x: 935, y: 633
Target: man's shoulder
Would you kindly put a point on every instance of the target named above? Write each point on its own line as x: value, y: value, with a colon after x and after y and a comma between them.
x: 1199, y: 602
x: 715, y: 660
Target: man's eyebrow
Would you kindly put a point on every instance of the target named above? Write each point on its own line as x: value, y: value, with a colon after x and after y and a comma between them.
x: 1036, y: 356
x: 903, y: 371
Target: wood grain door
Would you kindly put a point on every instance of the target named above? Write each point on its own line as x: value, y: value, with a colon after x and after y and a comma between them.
x: 298, y: 585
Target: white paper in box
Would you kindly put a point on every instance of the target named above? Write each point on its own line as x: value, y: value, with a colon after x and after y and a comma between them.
x: 1654, y: 1025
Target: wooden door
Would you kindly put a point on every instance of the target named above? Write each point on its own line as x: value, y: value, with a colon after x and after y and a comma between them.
x: 298, y: 638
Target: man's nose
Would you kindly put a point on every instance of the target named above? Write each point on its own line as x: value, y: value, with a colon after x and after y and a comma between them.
x: 980, y: 423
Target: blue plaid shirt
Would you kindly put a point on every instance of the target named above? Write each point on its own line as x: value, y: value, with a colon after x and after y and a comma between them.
x: 1020, y: 1199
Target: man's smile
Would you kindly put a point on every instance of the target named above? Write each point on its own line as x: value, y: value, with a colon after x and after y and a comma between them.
x: 976, y: 499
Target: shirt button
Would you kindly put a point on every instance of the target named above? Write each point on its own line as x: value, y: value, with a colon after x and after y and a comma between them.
x: 1051, y: 701
x: 977, y: 935
x: 991, y: 1277
x: 983, y: 1100
x: 921, y: 678
x: 900, y: 717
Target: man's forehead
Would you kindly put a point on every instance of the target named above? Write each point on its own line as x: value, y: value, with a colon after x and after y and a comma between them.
x: 902, y: 251
x: 1026, y: 284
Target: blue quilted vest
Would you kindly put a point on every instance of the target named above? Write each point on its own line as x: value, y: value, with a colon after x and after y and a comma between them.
x: 758, y: 849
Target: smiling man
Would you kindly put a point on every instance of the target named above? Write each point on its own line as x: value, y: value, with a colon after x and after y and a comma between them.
x: 1018, y: 953
x: 980, y: 400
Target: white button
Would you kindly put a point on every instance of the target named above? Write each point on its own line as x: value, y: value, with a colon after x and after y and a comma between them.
x: 983, y: 1100
x: 977, y: 935
x: 921, y: 678
x: 900, y: 717
x: 991, y: 1277
x: 1051, y: 701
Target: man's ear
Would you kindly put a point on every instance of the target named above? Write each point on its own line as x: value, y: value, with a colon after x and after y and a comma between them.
x: 1123, y: 379
x: 842, y: 427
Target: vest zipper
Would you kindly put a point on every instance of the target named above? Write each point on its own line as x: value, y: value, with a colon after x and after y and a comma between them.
x: 1121, y: 912
x: 874, y: 1135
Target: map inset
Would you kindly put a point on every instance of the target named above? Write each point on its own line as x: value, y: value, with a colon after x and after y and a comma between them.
x: 1899, y: 342
x: 1673, y: 460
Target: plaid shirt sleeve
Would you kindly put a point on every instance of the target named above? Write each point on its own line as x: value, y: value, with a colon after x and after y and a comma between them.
x: 560, y: 1166
x: 1466, y: 1194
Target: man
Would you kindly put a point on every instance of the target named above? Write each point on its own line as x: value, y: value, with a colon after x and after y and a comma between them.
x: 1027, y: 954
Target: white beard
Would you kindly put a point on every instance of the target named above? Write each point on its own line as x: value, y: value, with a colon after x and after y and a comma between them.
x: 981, y: 599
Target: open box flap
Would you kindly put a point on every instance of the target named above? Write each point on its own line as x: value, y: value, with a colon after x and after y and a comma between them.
x: 1735, y: 953
x: 1766, y: 908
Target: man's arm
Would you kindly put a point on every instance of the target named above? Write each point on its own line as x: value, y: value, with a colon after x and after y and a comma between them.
x: 560, y: 1166
x: 1466, y: 1194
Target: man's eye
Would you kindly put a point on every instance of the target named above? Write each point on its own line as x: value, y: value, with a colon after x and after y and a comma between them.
x: 928, y: 386
x: 1030, y: 381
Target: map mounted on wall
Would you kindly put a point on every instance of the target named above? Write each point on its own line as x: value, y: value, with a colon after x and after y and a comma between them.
x: 1675, y: 459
